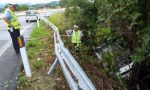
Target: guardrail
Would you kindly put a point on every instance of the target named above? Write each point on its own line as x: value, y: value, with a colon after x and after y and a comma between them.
x: 76, y: 77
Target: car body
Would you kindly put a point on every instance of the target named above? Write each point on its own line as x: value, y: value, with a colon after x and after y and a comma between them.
x: 31, y: 16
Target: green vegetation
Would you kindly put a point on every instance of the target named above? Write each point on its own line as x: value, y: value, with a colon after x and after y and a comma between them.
x: 22, y: 82
x: 85, y: 57
x: 124, y: 24
x: 22, y: 7
x: 125, y: 19
x: 41, y: 53
x: 60, y: 21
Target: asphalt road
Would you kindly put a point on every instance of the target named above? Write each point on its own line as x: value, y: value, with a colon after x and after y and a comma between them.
x: 10, y: 62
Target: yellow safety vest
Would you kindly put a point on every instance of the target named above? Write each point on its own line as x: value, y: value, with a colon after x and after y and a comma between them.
x: 14, y: 20
x: 76, y: 37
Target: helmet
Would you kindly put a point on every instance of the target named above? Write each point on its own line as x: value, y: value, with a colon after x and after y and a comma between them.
x: 75, y: 26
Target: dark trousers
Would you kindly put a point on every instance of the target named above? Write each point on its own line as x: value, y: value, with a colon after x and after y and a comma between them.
x: 77, y: 46
x: 14, y: 35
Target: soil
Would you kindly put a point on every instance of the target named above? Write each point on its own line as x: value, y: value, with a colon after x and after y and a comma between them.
x: 94, y: 71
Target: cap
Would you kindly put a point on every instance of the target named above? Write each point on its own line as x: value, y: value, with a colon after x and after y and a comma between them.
x: 75, y: 26
x: 12, y: 5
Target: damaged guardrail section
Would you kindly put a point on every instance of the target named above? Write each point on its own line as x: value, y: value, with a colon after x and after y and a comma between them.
x: 76, y: 77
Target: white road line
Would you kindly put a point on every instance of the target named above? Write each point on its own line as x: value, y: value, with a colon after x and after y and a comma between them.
x: 4, y: 48
x: 22, y: 31
x: 7, y: 45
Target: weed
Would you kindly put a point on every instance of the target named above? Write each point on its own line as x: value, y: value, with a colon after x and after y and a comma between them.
x: 22, y: 82
x: 38, y: 64
x: 39, y: 53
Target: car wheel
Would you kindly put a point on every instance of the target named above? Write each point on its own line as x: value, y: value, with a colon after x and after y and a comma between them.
x: 26, y: 21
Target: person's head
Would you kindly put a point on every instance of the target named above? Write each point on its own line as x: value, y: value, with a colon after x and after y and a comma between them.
x: 75, y: 27
x: 12, y: 7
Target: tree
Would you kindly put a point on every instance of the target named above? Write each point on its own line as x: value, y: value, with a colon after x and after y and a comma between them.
x: 127, y: 21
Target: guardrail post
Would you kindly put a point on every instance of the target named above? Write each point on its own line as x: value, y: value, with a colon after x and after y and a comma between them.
x: 52, y: 68
x: 24, y: 56
x: 38, y: 24
x: 74, y: 74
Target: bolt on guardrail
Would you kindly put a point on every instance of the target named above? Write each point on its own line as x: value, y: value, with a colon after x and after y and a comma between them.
x: 76, y: 77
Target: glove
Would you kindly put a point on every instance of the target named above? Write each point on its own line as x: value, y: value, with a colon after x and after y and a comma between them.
x: 11, y: 28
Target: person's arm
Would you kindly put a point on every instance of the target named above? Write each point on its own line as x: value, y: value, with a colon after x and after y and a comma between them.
x: 81, y: 34
x: 7, y: 21
x: 6, y: 17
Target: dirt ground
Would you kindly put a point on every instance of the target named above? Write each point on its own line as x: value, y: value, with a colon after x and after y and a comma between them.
x: 45, y: 57
x: 94, y: 71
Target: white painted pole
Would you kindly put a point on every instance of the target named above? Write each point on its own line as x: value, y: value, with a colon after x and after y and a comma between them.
x: 24, y: 56
x: 38, y: 24
x: 25, y: 61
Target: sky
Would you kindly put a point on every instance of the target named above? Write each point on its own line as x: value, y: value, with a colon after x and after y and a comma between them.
x: 26, y: 1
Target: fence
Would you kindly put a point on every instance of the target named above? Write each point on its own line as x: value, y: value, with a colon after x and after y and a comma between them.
x: 76, y: 77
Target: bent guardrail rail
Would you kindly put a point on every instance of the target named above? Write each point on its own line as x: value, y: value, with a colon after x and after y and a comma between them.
x: 76, y: 77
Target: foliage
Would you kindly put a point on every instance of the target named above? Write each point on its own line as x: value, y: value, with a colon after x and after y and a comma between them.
x: 124, y: 22
x: 57, y: 21
x: 110, y: 63
x: 22, y: 82
x: 142, y: 52
x: 125, y: 19
x: 20, y: 7
x: 40, y: 51
x: 105, y: 33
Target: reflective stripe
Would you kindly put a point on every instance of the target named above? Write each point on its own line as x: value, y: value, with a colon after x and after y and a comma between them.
x: 76, y: 37
x: 14, y: 20
x: 20, y: 42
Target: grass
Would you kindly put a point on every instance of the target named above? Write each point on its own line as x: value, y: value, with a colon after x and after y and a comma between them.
x: 41, y: 54
x: 60, y: 21
x: 86, y: 58
x: 40, y: 50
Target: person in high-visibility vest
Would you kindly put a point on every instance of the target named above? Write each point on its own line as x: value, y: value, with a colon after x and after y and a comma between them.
x: 76, y: 37
x: 13, y: 25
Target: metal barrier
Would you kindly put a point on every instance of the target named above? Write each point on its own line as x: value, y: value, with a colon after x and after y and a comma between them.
x: 76, y: 77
